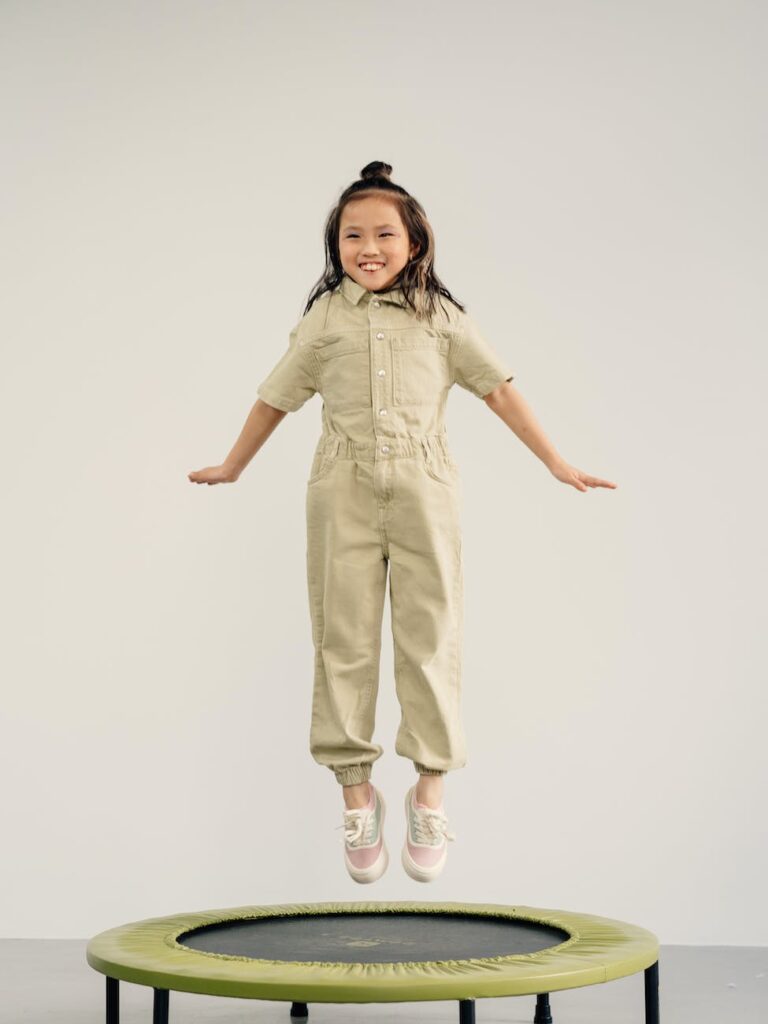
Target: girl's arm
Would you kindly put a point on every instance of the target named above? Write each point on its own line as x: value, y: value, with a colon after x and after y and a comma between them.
x: 507, y: 402
x: 261, y: 421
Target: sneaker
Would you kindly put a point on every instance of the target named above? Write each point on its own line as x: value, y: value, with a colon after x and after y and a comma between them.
x: 365, y: 854
x: 427, y: 837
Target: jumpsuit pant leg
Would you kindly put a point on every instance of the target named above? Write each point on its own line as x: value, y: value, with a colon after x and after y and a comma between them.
x: 426, y: 600
x: 346, y: 575
x: 366, y: 515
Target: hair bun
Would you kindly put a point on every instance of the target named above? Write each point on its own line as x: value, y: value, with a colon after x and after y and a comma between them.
x: 376, y: 169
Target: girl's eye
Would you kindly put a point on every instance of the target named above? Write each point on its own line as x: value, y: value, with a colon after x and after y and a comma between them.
x: 383, y: 233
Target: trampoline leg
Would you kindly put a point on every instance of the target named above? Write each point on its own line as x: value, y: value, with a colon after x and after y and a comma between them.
x: 652, y: 994
x: 543, y: 1014
x: 160, y: 1007
x: 466, y: 1011
x: 113, y: 1001
x: 299, y: 1010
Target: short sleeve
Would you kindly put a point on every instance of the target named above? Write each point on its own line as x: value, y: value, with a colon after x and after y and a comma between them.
x: 476, y: 366
x: 292, y: 381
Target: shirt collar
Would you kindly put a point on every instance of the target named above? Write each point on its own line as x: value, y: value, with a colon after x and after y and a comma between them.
x: 354, y: 292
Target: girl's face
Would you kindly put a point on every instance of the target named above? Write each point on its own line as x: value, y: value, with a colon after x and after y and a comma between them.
x: 371, y: 232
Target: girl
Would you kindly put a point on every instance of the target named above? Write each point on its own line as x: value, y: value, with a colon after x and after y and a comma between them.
x: 380, y: 345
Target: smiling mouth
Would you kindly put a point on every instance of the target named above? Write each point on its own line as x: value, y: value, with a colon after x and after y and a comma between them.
x: 372, y: 267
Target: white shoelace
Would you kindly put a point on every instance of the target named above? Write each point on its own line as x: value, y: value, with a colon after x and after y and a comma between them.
x: 431, y: 826
x: 359, y: 827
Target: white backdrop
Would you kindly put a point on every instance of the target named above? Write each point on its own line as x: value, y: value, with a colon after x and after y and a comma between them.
x: 593, y: 174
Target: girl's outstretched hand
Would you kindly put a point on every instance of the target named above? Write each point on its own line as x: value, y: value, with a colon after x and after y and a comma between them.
x: 581, y: 481
x: 223, y: 474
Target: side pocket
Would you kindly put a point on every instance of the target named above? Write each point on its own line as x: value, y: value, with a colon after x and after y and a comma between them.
x: 321, y: 466
x: 441, y: 467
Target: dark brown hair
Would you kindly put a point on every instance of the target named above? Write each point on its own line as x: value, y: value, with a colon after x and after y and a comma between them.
x: 420, y: 284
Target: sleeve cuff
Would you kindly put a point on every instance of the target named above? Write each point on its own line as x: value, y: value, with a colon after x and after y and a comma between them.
x: 275, y: 400
x: 490, y: 384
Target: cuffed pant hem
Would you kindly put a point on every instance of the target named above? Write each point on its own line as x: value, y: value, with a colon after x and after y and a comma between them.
x: 423, y: 770
x: 352, y: 774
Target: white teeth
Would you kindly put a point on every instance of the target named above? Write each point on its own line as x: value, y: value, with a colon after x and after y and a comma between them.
x: 371, y: 266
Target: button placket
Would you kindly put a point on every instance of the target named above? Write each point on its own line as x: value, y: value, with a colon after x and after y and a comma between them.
x: 379, y: 395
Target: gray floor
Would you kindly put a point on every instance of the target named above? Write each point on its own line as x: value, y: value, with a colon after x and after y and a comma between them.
x: 50, y: 981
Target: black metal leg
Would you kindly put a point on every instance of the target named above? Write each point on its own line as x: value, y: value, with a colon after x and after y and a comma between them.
x: 113, y: 1001
x: 160, y: 1007
x: 466, y: 1011
x: 652, y: 994
x: 543, y: 1014
x: 299, y: 1010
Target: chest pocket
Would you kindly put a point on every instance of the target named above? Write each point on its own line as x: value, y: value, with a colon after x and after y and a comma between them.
x: 345, y: 373
x: 420, y: 369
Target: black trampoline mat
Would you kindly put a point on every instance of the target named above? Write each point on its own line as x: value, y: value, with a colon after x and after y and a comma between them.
x: 395, y: 937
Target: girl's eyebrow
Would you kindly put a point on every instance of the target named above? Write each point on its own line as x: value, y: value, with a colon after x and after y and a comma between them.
x: 347, y: 227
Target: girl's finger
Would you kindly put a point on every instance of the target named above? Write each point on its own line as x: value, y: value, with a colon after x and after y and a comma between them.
x: 594, y: 481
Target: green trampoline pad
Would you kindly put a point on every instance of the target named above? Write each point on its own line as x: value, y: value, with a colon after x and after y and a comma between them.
x: 373, y: 951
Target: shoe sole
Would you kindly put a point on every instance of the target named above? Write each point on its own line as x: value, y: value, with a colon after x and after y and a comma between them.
x: 376, y: 870
x: 416, y: 871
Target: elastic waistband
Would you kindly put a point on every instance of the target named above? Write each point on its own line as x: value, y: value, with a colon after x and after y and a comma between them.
x: 342, y: 447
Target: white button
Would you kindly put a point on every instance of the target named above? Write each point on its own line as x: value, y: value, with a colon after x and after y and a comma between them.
x: 376, y: 303
x: 379, y: 335
x: 380, y: 373
x: 382, y: 412
x: 385, y: 448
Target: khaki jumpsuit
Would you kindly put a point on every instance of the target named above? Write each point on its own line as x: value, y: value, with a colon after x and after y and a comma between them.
x: 383, y: 492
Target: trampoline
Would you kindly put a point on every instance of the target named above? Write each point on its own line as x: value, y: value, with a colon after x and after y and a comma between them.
x: 372, y: 952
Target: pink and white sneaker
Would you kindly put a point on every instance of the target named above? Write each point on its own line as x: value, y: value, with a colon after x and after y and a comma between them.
x: 427, y: 837
x: 365, y: 853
